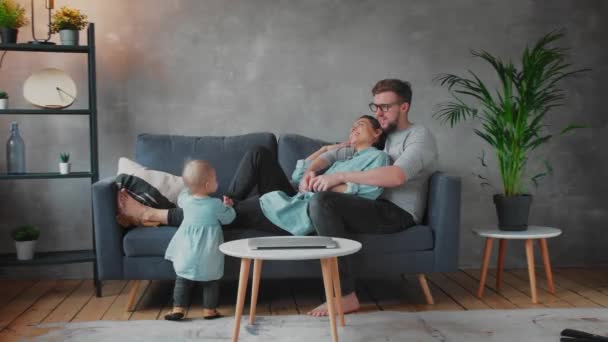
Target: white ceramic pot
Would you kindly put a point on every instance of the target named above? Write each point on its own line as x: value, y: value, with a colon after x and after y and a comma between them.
x: 25, y: 249
x: 68, y: 37
x: 64, y: 168
x: 3, y: 103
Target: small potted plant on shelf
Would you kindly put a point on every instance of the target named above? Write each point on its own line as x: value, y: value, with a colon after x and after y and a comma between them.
x: 68, y: 22
x: 12, y: 17
x: 3, y: 100
x: 513, y: 117
x: 25, y: 241
x: 64, y: 165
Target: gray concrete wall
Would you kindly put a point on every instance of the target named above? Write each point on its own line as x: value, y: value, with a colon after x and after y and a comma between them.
x: 220, y: 67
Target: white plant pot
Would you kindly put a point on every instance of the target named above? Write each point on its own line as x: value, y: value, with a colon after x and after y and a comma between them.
x: 68, y: 37
x: 25, y: 249
x: 3, y: 103
x: 64, y: 168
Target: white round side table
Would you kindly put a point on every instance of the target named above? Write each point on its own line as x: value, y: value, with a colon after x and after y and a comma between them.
x: 539, y: 233
x: 329, y: 268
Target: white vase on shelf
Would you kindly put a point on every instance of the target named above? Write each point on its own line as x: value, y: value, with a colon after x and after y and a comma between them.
x: 25, y: 249
x: 64, y: 168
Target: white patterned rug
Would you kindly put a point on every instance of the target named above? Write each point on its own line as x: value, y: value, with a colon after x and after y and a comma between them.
x: 469, y: 326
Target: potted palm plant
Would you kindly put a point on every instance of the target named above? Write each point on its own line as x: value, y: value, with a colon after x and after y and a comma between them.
x: 512, y: 116
x: 12, y: 17
x: 68, y: 22
x: 25, y: 241
x: 3, y: 100
x: 64, y: 163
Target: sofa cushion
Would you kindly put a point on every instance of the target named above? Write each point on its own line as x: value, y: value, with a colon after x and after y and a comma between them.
x: 143, y: 241
x: 292, y: 147
x: 146, y: 241
x: 168, y: 153
x: 416, y: 238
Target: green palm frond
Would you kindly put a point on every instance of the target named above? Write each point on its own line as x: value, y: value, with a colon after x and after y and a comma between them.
x: 512, y: 119
x: 548, y: 171
x: 572, y: 127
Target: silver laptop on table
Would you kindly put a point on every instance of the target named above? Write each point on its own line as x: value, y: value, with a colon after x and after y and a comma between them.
x: 292, y: 242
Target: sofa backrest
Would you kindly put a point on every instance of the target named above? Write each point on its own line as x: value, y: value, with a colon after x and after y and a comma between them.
x: 293, y: 147
x: 168, y: 153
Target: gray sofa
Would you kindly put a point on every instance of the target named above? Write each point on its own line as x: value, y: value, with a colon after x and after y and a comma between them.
x: 138, y: 253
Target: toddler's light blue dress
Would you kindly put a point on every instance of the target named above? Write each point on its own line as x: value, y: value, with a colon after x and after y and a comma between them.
x: 194, y: 249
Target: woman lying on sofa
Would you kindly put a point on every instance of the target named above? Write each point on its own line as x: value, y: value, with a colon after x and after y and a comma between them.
x: 290, y: 212
x: 280, y: 208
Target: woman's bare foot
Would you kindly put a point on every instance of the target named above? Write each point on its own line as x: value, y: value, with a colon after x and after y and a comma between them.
x: 350, y: 303
x: 131, y: 212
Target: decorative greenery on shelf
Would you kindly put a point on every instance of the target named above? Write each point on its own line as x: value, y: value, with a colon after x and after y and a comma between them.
x: 3, y: 95
x: 67, y: 18
x: 64, y: 157
x: 512, y: 118
x: 12, y: 15
x: 26, y: 232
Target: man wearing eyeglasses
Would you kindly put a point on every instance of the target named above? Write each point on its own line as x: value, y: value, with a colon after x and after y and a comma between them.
x: 413, y: 152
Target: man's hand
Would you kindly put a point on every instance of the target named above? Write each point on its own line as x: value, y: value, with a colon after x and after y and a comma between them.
x: 324, y: 182
x: 305, y: 182
x: 228, y: 201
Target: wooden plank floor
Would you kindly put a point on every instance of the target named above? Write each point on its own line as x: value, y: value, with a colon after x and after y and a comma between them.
x: 25, y: 303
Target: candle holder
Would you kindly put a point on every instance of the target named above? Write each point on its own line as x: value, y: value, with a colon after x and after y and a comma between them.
x: 50, y: 5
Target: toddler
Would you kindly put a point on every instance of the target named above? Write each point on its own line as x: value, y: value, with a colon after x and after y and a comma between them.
x: 194, y: 249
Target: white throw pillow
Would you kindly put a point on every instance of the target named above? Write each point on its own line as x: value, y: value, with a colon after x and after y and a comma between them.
x: 167, y: 184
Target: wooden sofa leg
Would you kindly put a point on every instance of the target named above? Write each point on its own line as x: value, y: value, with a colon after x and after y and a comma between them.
x: 132, y: 295
x: 425, y: 289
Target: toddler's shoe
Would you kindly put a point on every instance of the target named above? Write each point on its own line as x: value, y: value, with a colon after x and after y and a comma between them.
x: 174, y: 316
x: 211, y: 314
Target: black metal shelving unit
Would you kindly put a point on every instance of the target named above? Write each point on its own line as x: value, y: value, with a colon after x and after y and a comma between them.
x: 72, y: 256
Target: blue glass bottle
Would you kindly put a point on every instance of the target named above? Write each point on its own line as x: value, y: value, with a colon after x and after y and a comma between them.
x: 15, y: 151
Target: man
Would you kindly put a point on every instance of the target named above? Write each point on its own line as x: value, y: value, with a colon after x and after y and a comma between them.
x: 413, y: 154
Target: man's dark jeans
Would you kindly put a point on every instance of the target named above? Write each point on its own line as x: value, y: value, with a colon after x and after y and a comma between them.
x: 340, y: 215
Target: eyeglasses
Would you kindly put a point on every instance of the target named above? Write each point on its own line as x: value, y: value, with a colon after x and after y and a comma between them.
x: 385, y: 107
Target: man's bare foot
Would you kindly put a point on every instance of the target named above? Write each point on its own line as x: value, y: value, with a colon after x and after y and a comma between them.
x: 350, y: 303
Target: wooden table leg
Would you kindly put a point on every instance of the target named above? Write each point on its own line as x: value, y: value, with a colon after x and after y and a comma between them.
x: 326, y: 268
x: 240, y: 298
x: 337, y: 289
x: 501, y: 262
x: 484, y: 267
x: 133, y: 295
x: 255, y: 288
x: 425, y: 289
x: 545, y: 252
x: 531, y: 274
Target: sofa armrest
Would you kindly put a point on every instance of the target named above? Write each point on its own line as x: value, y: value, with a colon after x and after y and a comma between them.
x: 108, y: 234
x: 444, y: 219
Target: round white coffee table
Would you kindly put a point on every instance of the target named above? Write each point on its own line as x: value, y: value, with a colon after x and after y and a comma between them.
x: 329, y: 268
x: 533, y: 233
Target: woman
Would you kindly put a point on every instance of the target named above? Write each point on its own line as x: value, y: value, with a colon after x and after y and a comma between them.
x: 259, y: 168
x: 291, y: 212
